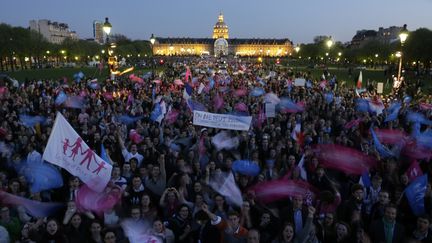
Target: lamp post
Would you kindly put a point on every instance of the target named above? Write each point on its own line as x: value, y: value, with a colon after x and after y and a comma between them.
x: 152, y: 41
x: 329, y: 44
x: 403, y: 35
x: 107, y: 29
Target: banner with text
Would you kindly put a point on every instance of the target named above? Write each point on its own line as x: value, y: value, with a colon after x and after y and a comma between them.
x: 223, y: 121
x: 66, y: 149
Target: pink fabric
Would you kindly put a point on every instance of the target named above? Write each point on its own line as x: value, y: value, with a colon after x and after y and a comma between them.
x: 171, y: 116
x: 344, y: 159
x: 388, y: 136
x: 108, y: 96
x: 425, y: 106
x: 135, y: 137
x: 178, y: 82
x: 89, y: 200
x: 414, y: 171
x: 241, y: 107
x: 218, y: 102
x: 271, y: 191
x: 352, y: 123
x: 34, y: 208
x: 240, y: 92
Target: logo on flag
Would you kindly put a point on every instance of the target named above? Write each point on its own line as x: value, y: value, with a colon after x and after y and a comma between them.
x: 66, y: 149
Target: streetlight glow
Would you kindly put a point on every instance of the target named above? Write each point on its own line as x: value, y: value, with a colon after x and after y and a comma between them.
x: 329, y: 42
x: 152, y: 39
x: 107, y: 26
x: 297, y: 49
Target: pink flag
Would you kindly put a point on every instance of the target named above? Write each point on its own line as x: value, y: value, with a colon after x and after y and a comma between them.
x: 76, y: 102
x: 188, y: 75
x: 34, y: 208
x: 352, y: 123
x: 425, y: 106
x: 135, y: 137
x: 223, y: 140
x: 178, y: 82
x: 388, y: 136
x: 241, y: 107
x: 218, y: 102
x: 271, y: 191
x: 108, y: 96
x: 414, y: 171
x: 261, y: 118
x: 240, y: 92
x: 98, y: 202
x: 344, y: 159
x: 171, y: 116
x: 323, y: 84
x: 415, y: 151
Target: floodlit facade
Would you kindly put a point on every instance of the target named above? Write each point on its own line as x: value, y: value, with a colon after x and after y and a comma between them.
x: 221, y: 45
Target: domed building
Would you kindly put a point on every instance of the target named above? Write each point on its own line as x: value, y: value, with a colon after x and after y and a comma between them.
x: 221, y: 45
x: 220, y: 30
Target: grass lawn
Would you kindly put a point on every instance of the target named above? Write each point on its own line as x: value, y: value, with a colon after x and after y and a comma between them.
x: 59, y: 73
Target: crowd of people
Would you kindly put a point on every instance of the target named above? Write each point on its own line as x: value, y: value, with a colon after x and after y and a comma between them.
x: 165, y: 169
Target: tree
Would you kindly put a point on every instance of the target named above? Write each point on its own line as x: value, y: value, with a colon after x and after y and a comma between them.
x: 418, y: 46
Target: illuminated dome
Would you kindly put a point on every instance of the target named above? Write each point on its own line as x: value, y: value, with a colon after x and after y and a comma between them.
x: 220, y: 29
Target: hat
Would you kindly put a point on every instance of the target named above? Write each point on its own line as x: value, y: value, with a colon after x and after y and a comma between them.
x: 204, y: 129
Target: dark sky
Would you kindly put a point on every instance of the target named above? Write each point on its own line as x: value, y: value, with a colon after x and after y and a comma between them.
x: 298, y: 20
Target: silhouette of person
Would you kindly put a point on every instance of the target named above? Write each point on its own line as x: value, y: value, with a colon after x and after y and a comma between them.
x: 76, y: 147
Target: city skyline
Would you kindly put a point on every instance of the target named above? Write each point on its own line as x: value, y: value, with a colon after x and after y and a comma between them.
x: 300, y: 21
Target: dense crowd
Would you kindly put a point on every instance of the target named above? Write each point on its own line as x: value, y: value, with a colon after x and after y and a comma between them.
x: 165, y: 169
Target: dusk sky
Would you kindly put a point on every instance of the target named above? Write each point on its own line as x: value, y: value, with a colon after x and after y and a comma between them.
x: 298, y: 20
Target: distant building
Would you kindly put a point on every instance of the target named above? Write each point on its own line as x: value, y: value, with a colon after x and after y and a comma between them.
x: 98, y: 33
x: 54, y: 32
x: 383, y: 35
x: 221, y: 45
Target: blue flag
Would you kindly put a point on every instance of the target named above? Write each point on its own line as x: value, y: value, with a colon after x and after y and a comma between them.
x: 365, y: 180
x: 104, y: 154
x: 156, y: 113
x: 382, y: 150
x: 418, y: 117
x: 127, y: 120
x: 393, y: 112
x: 41, y: 175
x: 188, y: 89
x: 415, y: 194
x: 362, y: 105
x: 329, y: 97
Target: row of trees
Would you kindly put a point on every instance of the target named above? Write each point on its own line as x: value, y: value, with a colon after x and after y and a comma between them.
x: 417, y: 48
x: 21, y: 48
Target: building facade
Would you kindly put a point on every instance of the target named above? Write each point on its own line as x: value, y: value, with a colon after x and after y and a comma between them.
x: 221, y: 45
x: 54, y: 32
x: 383, y: 35
x: 98, y: 33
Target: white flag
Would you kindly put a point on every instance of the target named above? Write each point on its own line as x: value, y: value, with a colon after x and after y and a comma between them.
x: 66, y: 149
x: 225, y: 185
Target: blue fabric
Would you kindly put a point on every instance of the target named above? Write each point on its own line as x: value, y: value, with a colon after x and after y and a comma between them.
x: 415, y: 194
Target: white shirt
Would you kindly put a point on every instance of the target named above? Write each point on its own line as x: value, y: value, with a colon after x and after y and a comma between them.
x: 128, y: 155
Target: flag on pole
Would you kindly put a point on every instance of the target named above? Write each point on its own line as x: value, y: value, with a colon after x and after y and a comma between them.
x: 415, y: 194
x: 67, y: 149
x: 360, y: 80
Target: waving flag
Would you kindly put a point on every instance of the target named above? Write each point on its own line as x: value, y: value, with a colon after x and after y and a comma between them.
x: 31, y: 121
x: 135, y: 137
x: 195, y: 105
x: 61, y: 98
x: 425, y: 106
x: 415, y: 194
x: 360, y: 80
x: 67, y: 149
x: 418, y: 117
x: 171, y: 116
x: 76, y: 102
x: 424, y: 139
x: 256, y: 92
x: 223, y: 140
x: 414, y: 171
x: 344, y: 159
x: 98, y: 202
x: 128, y: 120
x: 271, y: 191
x: 376, y: 105
x: 40, y: 175
x: 156, y: 114
x: 388, y: 136
x: 138, y: 232
x: 240, y: 92
x: 246, y: 167
x: 271, y: 98
x: 365, y: 180
x: 393, y: 112
x: 287, y: 105
x: 242, y: 107
x: 218, y: 102
x: 34, y: 208
x: 328, y: 97
x: 352, y: 123
x: 382, y: 150
x: 225, y: 185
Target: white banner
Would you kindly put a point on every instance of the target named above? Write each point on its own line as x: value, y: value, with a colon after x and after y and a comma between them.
x: 223, y: 121
x: 300, y: 82
x: 66, y: 149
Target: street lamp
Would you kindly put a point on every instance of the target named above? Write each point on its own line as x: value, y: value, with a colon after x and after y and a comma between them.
x: 107, y: 28
x: 152, y: 41
x: 403, y: 35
